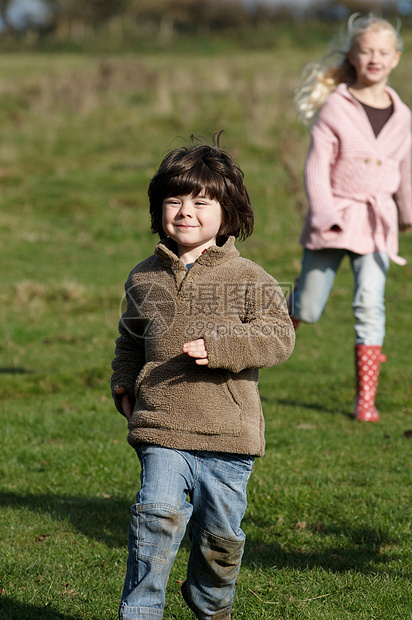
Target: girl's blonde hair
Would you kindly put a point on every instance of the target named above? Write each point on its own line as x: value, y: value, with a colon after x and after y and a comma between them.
x: 321, y: 78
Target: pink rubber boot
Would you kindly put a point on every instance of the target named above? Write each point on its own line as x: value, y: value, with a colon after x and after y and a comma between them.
x: 368, y: 359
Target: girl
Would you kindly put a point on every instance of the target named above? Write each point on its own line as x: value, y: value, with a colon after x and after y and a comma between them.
x: 200, y: 322
x: 358, y: 183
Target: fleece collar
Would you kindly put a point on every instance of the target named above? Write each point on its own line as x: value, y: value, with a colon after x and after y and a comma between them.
x: 166, y: 252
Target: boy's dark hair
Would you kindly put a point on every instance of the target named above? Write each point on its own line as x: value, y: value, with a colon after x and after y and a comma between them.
x: 195, y: 168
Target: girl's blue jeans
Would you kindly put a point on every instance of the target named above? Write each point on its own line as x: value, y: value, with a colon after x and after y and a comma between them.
x: 215, y: 483
x: 316, y: 280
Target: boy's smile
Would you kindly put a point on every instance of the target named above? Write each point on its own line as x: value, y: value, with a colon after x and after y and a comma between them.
x: 193, y: 222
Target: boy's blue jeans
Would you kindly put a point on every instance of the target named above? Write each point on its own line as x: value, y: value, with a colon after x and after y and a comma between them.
x: 216, y: 485
x: 316, y: 280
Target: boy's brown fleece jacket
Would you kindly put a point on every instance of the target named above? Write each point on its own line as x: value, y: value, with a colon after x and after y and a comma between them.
x: 241, y: 313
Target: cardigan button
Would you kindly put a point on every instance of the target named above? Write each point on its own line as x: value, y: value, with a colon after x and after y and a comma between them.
x: 367, y: 160
x: 378, y: 162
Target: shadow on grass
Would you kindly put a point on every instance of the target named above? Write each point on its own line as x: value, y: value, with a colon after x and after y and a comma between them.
x: 12, y: 610
x: 359, y: 549
x: 107, y: 519
x: 99, y: 518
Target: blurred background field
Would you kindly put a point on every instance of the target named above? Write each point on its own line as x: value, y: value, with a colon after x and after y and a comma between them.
x: 84, y: 124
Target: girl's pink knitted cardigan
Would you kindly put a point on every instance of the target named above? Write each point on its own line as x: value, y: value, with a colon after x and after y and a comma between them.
x: 356, y: 181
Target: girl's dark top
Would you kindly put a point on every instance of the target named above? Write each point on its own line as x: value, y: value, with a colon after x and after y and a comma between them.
x: 377, y: 116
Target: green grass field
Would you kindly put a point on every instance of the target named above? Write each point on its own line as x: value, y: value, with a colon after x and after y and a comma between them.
x: 329, y: 520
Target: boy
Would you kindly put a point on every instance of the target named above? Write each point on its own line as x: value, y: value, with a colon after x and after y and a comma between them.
x: 200, y: 322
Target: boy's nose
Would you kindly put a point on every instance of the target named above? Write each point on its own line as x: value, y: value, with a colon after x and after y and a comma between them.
x: 186, y: 209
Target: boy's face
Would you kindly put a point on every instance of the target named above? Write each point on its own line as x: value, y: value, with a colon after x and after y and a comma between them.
x: 192, y: 221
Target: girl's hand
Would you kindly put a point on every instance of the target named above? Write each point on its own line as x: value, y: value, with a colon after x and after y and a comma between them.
x: 125, y: 402
x: 197, y: 348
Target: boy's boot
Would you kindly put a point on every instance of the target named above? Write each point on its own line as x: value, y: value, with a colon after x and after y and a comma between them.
x: 368, y: 359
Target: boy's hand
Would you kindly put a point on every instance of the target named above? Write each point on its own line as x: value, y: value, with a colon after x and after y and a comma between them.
x: 126, y: 406
x: 197, y: 348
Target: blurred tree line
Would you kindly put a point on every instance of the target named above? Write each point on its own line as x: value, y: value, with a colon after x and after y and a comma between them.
x: 78, y: 20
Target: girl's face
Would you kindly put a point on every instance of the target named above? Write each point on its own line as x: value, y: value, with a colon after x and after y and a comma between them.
x: 192, y: 221
x: 373, y: 55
